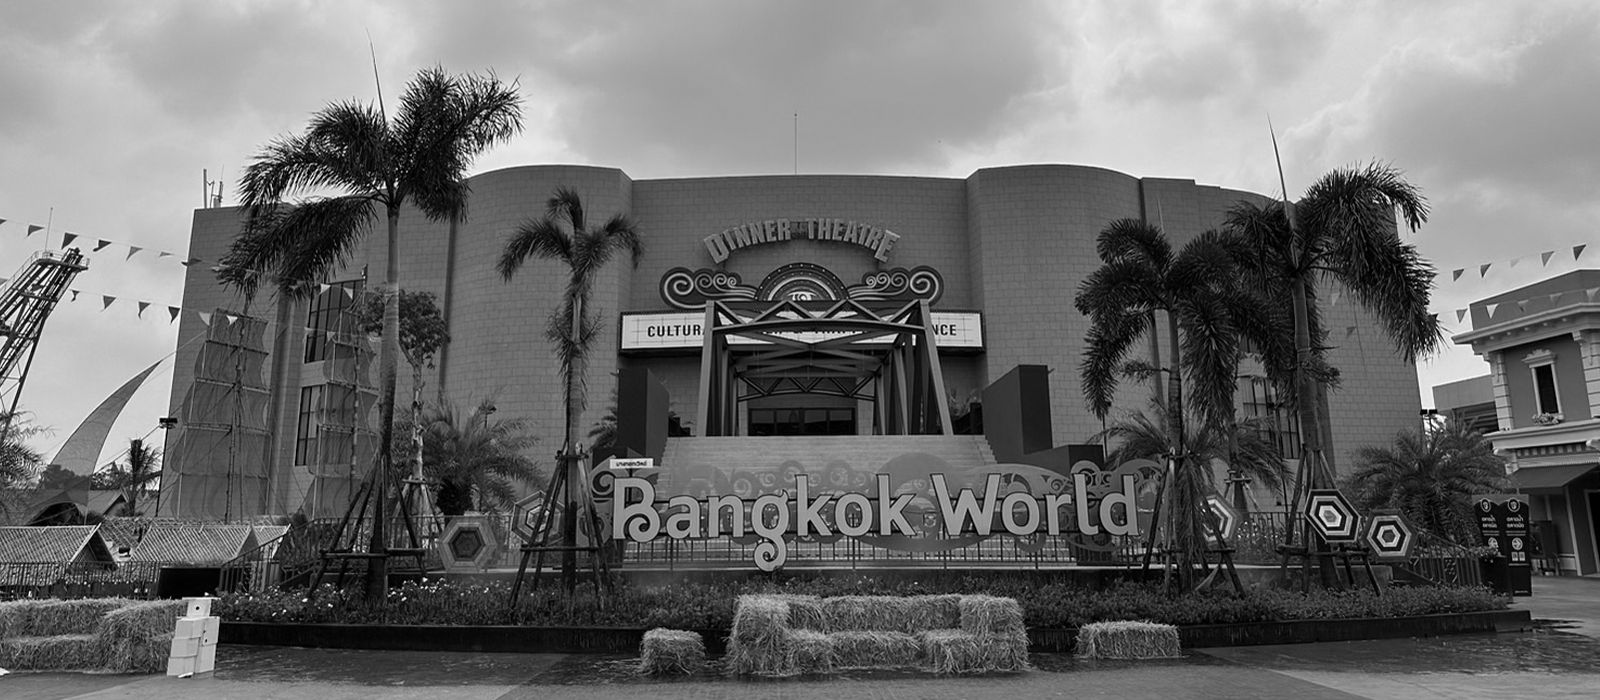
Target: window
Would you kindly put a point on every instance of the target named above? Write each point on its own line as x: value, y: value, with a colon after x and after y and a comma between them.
x: 802, y: 421
x: 305, y: 442
x: 1271, y: 415
x: 1546, y: 397
x: 332, y: 311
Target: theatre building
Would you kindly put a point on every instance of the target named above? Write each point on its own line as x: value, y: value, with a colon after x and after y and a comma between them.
x: 820, y: 324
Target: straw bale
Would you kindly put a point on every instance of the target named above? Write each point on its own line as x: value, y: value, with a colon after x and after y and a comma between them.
x: 872, y: 613
x: 810, y: 651
x: 805, y: 612
x: 138, y: 638
x: 953, y: 651
x: 50, y: 617
x: 1127, y: 639
x: 666, y: 651
x: 62, y: 652
x: 875, y: 649
x: 760, y: 638
x: 990, y: 615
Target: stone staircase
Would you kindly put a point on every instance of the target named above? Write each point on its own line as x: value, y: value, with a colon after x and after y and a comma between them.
x: 749, y: 465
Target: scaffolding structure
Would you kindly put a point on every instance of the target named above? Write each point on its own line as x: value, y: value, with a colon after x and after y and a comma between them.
x: 26, y: 300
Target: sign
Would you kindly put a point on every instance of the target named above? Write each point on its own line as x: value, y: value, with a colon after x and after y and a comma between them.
x: 1503, y: 524
x: 812, y: 510
x: 1333, y: 516
x: 629, y: 463
x: 877, y: 239
x: 685, y: 330
x: 1218, y: 511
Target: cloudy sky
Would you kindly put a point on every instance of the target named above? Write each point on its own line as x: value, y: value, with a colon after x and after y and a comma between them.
x: 109, y: 112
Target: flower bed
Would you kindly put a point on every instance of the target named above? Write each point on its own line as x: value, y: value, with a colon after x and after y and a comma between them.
x: 711, y: 605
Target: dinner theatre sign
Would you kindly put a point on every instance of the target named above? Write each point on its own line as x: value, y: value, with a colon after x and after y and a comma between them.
x: 915, y: 503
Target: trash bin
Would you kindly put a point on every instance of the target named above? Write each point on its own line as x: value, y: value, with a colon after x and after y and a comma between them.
x: 1496, y: 574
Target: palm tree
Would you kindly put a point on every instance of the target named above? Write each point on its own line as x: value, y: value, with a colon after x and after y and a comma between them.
x: 142, y: 467
x: 564, y: 234
x: 475, y: 458
x: 379, y: 165
x: 1342, y: 230
x: 1146, y: 434
x: 1207, y: 317
x: 18, y: 461
x: 1431, y: 477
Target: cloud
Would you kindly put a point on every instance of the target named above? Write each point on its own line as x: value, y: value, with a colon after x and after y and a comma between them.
x: 686, y: 89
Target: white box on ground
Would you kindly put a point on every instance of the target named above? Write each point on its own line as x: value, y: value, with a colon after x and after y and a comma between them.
x: 206, y: 662
x: 181, y: 665
x: 197, y: 607
x: 190, y: 627
x: 209, y: 629
x: 185, y: 646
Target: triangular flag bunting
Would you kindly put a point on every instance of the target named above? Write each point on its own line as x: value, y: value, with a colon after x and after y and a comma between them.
x: 172, y: 313
x: 1514, y: 262
x: 190, y: 261
x: 1522, y: 304
x: 1544, y: 258
x: 163, y: 254
x: 2, y: 221
x: 1491, y: 307
x: 1591, y: 293
x: 74, y: 294
x: 1456, y: 273
x: 1578, y: 250
x: 142, y: 306
x: 1483, y: 270
x: 348, y: 292
x: 1348, y: 330
x: 35, y: 229
x: 67, y: 239
x: 1334, y: 298
x: 3, y: 280
x: 1554, y: 297
x: 1460, y: 314
x: 131, y: 250
x: 105, y: 301
x: 205, y: 317
x: 230, y: 317
x: 99, y: 244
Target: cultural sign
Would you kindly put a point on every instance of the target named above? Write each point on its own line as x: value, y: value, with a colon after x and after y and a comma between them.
x: 915, y: 502
x: 1503, y: 524
x: 683, y: 330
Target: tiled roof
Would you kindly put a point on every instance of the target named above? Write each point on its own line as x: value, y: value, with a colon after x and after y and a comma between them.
x: 103, y: 500
x: 268, y: 533
x: 50, y: 545
x: 193, y: 543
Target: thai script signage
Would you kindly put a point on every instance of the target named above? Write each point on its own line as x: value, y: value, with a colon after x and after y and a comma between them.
x: 1503, y: 524
x: 683, y: 330
x: 877, y: 239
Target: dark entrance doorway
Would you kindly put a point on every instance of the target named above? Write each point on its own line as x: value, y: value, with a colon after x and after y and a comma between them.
x: 802, y: 421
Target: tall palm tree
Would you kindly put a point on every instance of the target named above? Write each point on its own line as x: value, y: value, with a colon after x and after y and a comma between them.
x: 378, y: 164
x: 1146, y: 434
x: 1343, y: 230
x: 142, y: 467
x: 475, y: 458
x: 1207, y: 318
x: 1430, y: 477
x: 564, y: 234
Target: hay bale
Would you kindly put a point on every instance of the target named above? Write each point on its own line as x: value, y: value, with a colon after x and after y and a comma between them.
x: 62, y: 652
x: 1127, y: 639
x: 868, y: 613
x: 760, y: 638
x: 137, y: 638
x: 875, y: 649
x: 990, y: 615
x: 953, y: 651
x: 52, y: 617
x: 805, y: 612
x: 810, y: 651
x: 932, y: 612
x: 665, y: 651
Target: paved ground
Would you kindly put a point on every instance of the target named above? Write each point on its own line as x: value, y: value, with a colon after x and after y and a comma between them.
x: 1560, y: 658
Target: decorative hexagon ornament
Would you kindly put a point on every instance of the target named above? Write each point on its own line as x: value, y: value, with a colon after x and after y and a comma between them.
x: 1389, y: 535
x: 469, y: 544
x: 525, y: 515
x: 1332, y: 516
x: 1222, y: 514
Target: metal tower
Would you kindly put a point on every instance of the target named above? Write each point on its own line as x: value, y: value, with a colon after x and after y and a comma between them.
x: 26, y: 301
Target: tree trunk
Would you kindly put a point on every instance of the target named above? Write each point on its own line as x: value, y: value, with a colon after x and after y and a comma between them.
x: 569, y: 515
x: 1305, y: 392
x: 1181, y: 509
x: 388, y: 357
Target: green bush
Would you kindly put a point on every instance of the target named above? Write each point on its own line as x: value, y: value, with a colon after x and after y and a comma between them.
x: 436, y: 601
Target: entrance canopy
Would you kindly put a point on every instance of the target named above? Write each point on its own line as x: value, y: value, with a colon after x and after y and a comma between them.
x: 1537, y: 478
x: 881, y: 352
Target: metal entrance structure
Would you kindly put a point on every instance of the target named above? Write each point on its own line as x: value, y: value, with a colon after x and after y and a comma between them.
x: 26, y: 300
x: 870, y: 351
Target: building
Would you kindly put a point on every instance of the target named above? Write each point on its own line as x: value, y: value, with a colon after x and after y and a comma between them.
x: 1468, y: 402
x: 274, y: 399
x: 1542, y: 343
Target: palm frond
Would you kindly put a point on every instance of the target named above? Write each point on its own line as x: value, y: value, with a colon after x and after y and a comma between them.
x: 443, y: 123
x: 1394, y: 283
x: 1108, y: 342
x: 1134, y: 240
x: 541, y: 239
x: 566, y: 205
